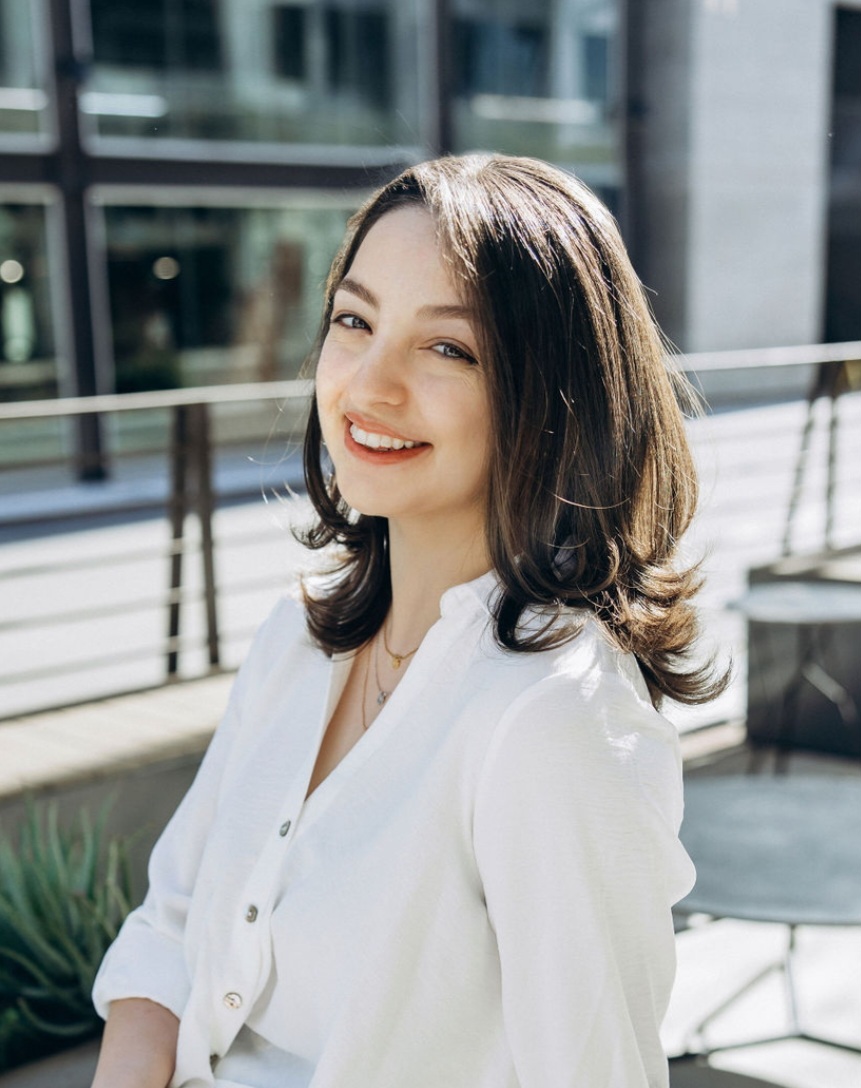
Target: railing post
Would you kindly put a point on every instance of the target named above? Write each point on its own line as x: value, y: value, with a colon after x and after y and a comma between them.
x: 830, y: 379
x: 191, y: 491
x: 178, y: 509
x: 203, y: 460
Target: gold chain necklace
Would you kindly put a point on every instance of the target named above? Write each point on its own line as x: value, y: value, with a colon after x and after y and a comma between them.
x: 365, y: 722
x: 397, y: 659
x: 381, y: 694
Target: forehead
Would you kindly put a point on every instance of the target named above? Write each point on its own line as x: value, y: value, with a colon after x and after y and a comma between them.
x: 402, y: 250
x: 399, y: 232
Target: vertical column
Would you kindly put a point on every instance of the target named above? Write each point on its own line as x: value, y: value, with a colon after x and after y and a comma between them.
x: 632, y: 64
x: 72, y: 179
x: 441, y: 97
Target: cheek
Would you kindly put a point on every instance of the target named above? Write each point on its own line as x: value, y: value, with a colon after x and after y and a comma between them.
x: 477, y: 430
x: 328, y: 395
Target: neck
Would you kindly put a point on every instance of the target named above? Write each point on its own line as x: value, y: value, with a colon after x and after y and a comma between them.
x: 424, y: 565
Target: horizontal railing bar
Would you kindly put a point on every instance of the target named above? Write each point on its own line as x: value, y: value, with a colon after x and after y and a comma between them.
x: 120, y: 608
x: 144, y: 506
x: 294, y: 389
x: 186, y: 546
x: 297, y: 388
x: 105, y: 660
x: 706, y: 362
x: 49, y: 517
x: 37, y: 462
x: 165, y: 551
x: 179, y: 644
x: 136, y: 604
x: 156, y: 453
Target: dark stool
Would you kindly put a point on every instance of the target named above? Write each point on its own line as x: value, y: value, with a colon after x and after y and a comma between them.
x: 804, y: 639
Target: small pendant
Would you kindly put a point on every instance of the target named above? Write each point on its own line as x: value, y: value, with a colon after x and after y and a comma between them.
x: 381, y: 697
x: 396, y: 661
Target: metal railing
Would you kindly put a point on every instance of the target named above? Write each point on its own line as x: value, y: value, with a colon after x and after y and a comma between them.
x: 180, y: 491
x: 194, y: 464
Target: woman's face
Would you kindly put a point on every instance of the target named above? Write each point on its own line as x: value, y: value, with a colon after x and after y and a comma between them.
x: 400, y: 391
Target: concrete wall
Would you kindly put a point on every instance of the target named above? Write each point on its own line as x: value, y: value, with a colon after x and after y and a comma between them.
x: 738, y: 106
x: 141, y: 802
x: 761, y: 106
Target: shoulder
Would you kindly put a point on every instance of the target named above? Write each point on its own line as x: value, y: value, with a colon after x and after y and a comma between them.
x: 279, y: 641
x: 583, y: 724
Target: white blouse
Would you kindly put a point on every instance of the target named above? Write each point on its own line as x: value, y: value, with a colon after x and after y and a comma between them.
x: 478, y: 896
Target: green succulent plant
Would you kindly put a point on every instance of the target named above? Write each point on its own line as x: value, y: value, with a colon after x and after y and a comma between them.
x: 64, y: 893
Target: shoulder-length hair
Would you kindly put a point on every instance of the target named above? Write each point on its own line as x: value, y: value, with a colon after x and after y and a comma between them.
x: 591, y: 481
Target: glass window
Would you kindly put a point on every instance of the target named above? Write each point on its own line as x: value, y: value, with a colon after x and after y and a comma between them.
x: 534, y: 77
x: 358, y: 55
x: 290, y: 32
x: 496, y: 58
x: 337, y: 72
x: 183, y: 34
x: 28, y: 363
x: 23, y: 101
x: 205, y: 295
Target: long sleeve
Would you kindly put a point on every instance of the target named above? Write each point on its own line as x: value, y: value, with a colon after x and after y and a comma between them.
x: 575, y: 835
x: 147, y: 959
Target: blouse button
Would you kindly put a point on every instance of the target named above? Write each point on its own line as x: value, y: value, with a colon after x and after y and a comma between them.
x: 251, y: 914
x: 233, y: 1000
x: 284, y: 828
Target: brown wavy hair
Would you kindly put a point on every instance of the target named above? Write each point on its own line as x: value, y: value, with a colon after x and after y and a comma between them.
x: 591, y: 480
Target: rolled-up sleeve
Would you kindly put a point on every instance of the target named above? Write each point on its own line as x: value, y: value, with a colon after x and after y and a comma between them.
x: 147, y: 959
x: 576, y: 840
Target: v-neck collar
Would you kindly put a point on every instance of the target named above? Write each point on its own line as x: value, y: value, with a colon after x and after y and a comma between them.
x: 458, y: 605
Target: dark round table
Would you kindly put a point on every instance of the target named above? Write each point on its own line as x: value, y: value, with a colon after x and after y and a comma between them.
x: 783, y: 848
x: 775, y: 849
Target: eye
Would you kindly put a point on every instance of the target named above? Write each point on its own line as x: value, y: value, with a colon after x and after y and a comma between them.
x: 349, y: 321
x: 452, y: 351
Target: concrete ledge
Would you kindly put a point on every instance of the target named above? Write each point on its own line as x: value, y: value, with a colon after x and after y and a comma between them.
x: 136, y: 754
x: 52, y: 751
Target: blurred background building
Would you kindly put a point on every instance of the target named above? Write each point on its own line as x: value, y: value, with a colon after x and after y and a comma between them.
x: 175, y: 174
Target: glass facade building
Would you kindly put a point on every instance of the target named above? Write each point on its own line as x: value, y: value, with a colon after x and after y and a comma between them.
x: 176, y: 174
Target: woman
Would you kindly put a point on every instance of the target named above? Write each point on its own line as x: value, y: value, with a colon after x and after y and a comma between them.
x: 434, y: 842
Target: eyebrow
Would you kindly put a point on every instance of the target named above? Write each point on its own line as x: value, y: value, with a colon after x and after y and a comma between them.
x: 450, y: 310
x: 359, y: 290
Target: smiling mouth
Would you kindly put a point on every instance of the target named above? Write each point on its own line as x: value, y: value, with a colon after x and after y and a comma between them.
x: 383, y: 442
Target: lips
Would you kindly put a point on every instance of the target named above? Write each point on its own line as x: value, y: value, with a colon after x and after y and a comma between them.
x: 378, y: 446
x: 376, y: 441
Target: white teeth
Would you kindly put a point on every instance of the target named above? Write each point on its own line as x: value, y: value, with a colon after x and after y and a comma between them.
x: 380, y: 441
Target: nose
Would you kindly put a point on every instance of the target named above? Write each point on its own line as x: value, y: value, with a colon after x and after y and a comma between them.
x: 379, y: 375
